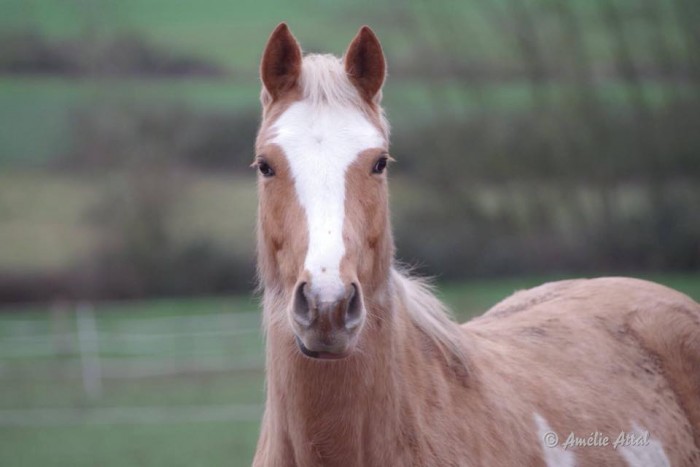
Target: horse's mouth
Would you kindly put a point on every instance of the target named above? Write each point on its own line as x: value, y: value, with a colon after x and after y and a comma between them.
x: 319, y: 355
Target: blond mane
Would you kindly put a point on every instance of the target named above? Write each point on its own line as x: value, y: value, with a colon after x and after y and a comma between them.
x: 429, y: 314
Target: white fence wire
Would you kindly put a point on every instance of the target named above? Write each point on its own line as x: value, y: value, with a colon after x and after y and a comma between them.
x: 85, y: 346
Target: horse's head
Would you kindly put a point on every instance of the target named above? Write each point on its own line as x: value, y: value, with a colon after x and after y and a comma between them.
x: 324, y: 241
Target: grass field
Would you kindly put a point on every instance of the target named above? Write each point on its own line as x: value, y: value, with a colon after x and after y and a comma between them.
x: 201, y: 415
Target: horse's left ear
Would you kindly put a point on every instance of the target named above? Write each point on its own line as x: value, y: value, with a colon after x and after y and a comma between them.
x: 365, y: 65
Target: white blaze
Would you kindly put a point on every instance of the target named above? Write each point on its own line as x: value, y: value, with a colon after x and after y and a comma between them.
x: 320, y: 142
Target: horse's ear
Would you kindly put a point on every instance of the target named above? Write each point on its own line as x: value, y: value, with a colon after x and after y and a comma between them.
x: 281, y: 62
x: 364, y: 63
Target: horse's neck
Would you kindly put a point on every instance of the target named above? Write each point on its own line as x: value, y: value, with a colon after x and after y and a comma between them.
x: 362, y: 409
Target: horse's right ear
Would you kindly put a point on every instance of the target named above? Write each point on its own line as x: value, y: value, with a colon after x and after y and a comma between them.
x: 281, y: 62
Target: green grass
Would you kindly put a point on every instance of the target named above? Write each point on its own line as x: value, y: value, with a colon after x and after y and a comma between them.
x: 180, y: 444
x: 204, y: 389
x: 41, y: 383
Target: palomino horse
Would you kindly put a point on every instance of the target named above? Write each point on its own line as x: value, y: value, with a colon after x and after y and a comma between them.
x: 364, y: 367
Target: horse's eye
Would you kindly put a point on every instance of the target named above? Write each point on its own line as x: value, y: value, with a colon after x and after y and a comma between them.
x: 265, y: 169
x: 379, y: 166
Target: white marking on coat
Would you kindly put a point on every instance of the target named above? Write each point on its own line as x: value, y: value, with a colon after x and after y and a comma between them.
x: 320, y: 142
x: 554, y: 455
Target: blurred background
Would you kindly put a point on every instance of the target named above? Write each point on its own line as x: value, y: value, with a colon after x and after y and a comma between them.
x: 535, y: 139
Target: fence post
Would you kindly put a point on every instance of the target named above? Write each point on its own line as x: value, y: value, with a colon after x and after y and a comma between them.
x: 88, y: 337
x: 61, y: 331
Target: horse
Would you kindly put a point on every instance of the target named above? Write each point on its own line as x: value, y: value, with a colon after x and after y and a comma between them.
x: 365, y: 366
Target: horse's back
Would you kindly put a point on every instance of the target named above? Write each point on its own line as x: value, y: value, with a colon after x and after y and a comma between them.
x: 617, y: 293
x: 579, y: 350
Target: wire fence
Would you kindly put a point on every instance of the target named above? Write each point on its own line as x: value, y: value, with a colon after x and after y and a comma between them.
x: 87, y: 353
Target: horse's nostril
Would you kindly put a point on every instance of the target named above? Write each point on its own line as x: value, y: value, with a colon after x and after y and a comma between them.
x: 353, y: 316
x: 301, y: 308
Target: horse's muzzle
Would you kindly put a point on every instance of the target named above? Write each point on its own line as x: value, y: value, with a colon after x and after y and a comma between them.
x: 327, y: 329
